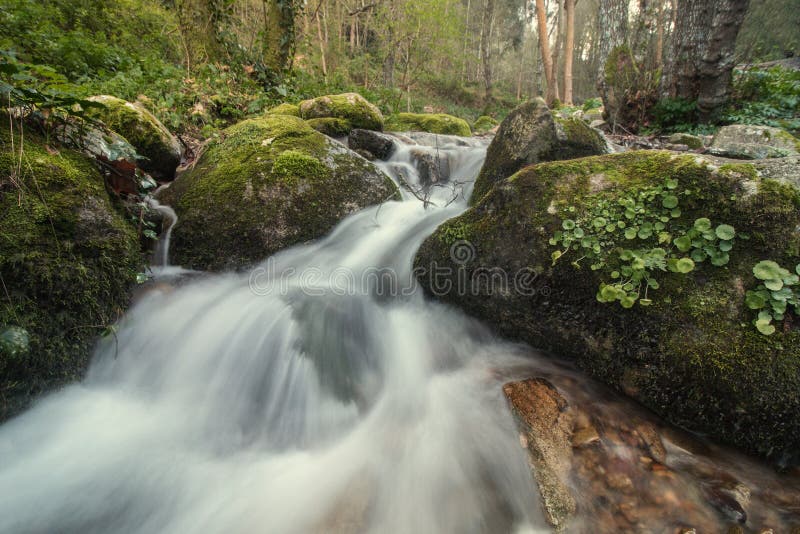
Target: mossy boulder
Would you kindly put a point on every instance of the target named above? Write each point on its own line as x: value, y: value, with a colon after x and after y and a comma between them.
x: 437, y: 123
x: 694, y: 142
x: 330, y: 126
x: 149, y: 137
x: 693, y: 355
x: 741, y: 141
x: 531, y: 134
x: 285, y: 109
x: 484, y: 124
x: 351, y: 107
x: 68, y: 261
x: 269, y: 183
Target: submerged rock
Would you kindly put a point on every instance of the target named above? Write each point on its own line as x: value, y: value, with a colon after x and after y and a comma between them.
x: 741, y: 141
x: 437, y: 123
x: 351, y: 107
x: 149, y: 137
x: 67, y: 259
x: 530, y: 134
x: 546, y: 421
x: 690, y: 351
x: 268, y: 184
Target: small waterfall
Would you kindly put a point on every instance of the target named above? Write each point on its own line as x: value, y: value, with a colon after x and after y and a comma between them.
x: 161, y: 255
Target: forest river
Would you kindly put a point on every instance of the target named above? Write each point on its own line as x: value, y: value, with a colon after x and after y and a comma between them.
x: 322, y: 392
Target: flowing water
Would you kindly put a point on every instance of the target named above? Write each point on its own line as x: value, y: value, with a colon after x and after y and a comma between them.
x: 319, y: 393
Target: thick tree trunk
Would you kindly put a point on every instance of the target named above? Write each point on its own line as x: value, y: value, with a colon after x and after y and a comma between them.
x: 486, y: 43
x: 703, y: 51
x: 659, y: 59
x: 612, y: 28
x: 544, y: 47
x: 569, y: 11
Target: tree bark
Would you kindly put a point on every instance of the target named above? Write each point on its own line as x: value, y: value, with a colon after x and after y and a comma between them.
x: 659, y: 59
x: 703, y: 52
x: 569, y: 46
x: 544, y: 47
x: 486, y: 43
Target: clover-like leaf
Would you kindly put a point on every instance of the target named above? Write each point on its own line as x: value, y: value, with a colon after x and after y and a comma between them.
x: 764, y: 326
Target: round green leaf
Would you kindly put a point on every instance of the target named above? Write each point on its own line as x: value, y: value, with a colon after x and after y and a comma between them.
x: 683, y: 243
x: 698, y: 255
x: 702, y: 224
x: 720, y: 259
x: 568, y: 224
x: 725, y: 231
x: 579, y: 233
x: 630, y: 233
x: 774, y: 285
x: 765, y: 327
x: 684, y: 265
x: 769, y: 270
x: 670, y: 202
x: 755, y: 300
x: 725, y: 246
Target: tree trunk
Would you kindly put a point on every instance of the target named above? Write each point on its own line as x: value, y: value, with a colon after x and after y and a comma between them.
x: 486, y: 43
x: 569, y: 11
x: 544, y: 46
x: 659, y: 60
x: 466, y: 35
x: 612, y: 28
x: 703, y: 52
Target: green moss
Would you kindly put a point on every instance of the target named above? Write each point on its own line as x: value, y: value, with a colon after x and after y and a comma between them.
x: 694, y: 355
x: 438, y: 123
x: 67, y: 259
x: 285, y: 109
x: 148, y: 136
x: 484, y: 124
x: 348, y: 106
x: 331, y: 127
x: 269, y: 183
x: 291, y: 165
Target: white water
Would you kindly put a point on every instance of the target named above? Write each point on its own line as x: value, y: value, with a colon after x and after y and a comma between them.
x: 224, y: 409
x: 161, y: 255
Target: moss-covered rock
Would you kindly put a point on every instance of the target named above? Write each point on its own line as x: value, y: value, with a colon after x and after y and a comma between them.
x: 330, y: 126
x: 692, y: 141
x: 438, y: 123
x: 743, y: 141
x: 351, y: 107
x: 530, y: 134
x: 693, y: 355
x: 269, y: 183
x: 285, y: 109
x: 67, y: 261
x: 149, y: 137
x: 484, y: 124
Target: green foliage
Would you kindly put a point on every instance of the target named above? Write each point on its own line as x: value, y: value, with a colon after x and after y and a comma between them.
x: 779, y: 289
x: 675, y: 115
x: 766, y: 97
x: 633, y: 237
x: 592, y: 103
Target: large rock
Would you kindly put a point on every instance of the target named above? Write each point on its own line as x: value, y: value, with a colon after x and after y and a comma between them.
x: 351, y: 107
x: 268, y: 184
x: 67, y: 260
x: 484, y: 124
x: 149, y: 137
x: 530, y: 134
x: 694, y: 354
x: 381, y: 146
x: 741, y: 141
x: 437, y: 123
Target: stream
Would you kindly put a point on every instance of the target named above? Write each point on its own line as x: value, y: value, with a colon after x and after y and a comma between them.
x: 322, y: 392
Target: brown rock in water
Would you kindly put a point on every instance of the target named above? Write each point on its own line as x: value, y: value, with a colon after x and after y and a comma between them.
x: 546, y: 419
x: 652, y: 441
